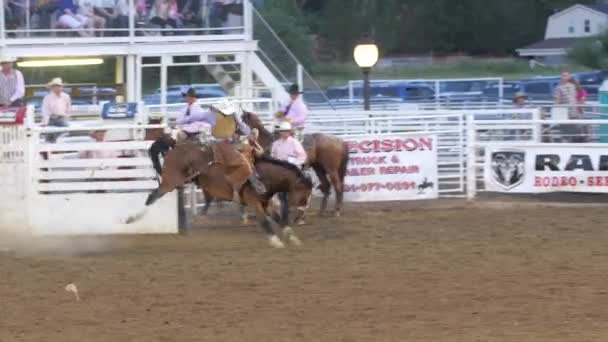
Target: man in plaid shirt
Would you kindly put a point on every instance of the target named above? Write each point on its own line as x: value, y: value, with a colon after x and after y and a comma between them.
x: 565, y: 94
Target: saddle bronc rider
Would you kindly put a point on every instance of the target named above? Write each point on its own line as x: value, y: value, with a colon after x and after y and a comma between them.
x: 237, y: 157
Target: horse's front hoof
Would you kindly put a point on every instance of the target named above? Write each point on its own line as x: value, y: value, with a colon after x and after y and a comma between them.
x: 300, y: 222
x: 276, y: 242
x: 337, y: 214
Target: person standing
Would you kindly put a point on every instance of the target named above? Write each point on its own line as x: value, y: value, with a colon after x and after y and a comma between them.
x: 295, y: 111
x: 583, y: 131
x: 56, y: 105
x: 193, y: 119
x: 12, y: 85
x: 565, y: 100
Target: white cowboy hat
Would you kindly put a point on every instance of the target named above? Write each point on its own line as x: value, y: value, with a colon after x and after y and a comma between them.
x: 283, y: 126
x: 56, y: 81
x: 225, y: 107
x: 7, y: 59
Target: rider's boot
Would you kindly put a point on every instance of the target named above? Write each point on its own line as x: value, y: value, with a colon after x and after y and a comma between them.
x: 257, y: 184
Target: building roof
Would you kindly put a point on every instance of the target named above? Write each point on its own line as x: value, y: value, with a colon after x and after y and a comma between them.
x: 602, y: 7
x: 553, y: 43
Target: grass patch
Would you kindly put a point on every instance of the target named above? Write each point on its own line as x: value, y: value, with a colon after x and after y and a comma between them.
x: 329, y: 74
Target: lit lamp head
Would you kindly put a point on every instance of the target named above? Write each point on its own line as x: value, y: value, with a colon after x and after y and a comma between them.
x: 366, y: 55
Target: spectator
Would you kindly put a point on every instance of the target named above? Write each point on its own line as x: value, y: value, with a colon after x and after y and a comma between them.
x: 565, y: 94
x: 87, y: 8
x: 520, y: 100
x: 56, y: 105
x: 116, y: 14
x: 189, y: 12
x: 565, y: 99
x: 164, y: 13
x: 584, y: 131
x: 295, y: 111
x: 69, y: 17
x: 12, y: 86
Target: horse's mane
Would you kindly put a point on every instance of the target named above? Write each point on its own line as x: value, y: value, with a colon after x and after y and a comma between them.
x: 299, y: 173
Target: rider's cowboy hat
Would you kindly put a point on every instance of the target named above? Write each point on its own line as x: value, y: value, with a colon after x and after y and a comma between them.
x: 57, y: 81
x: 7, y: 59
x: 225, y: 107
x: 520, y: 95
x: 190, y: 93
x: 293, y: 90
x: 283, y: 126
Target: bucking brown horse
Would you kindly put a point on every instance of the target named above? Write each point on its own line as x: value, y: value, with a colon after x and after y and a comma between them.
x: 327, y: 155
x: 192, y: 162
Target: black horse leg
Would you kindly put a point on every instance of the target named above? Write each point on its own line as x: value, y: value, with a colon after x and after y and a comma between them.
x: 208, y: 200
x: 284, y: 200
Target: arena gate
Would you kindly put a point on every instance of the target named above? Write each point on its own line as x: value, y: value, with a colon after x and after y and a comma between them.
x: 79, y: 185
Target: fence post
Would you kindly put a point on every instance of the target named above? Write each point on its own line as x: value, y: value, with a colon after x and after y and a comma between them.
x: 32, y: 139
x: 536, y: 127
x: 471, y: 157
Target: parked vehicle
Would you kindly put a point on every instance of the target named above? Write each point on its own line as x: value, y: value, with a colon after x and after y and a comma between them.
x: 509, y: 88
x: 539, y: 88
x: 405, y: 91
x: 591, y: 81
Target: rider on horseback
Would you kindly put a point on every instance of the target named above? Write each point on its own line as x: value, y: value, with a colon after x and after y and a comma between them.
x: 228, y: 150
x: 194, y: 123
x: 287, y: 148
x: 295, y: 112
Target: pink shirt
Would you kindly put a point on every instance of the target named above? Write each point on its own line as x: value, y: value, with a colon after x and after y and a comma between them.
x: 289, y: 150
x: 296, y: 112
x: 56, y: 105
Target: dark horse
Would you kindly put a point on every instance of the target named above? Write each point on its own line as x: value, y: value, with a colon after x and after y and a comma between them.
x: 327, y: 155
x: 185, y: 162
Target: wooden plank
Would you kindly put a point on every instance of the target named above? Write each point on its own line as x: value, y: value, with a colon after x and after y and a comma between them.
x: 93, y: 163
x: 100, y: 146
x: 101, y: 213
x: 92, y: 186
x: 97, y: 173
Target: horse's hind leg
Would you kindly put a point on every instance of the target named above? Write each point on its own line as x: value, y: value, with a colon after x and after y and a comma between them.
x: 252, y: 200
x: 339, y: 188
x: 325, y: 187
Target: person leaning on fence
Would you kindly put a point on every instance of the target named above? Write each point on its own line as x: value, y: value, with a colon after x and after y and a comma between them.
x: 12, y: 86
x: 295, y: 111
x: 56, y: 107
x: 565, y: 99
x: 194, y: 123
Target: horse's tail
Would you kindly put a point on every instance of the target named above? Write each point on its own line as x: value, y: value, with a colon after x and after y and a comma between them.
x: 343, y: 162
x: 160, y: 146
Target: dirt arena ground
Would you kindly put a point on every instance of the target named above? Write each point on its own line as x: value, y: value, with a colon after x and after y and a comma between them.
x: 424, y: 271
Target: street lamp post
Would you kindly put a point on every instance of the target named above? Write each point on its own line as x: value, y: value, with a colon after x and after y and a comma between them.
x: 366, y: 56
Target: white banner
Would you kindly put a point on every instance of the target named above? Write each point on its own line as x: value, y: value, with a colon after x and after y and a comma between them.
x: 391, y: 168
x: 537, y: 168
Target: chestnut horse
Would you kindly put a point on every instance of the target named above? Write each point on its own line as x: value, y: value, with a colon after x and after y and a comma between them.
x: 327, y: 155
x: 192, y: 162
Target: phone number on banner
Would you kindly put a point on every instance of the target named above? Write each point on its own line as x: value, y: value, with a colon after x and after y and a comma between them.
x: 391, y: 186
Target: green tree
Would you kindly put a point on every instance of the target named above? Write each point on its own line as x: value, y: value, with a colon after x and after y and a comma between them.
x: 287, y: 21
x: 592, y: 53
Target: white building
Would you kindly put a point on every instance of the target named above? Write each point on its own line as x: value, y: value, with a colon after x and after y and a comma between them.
x: 565, y: 29
x: 147, y: 57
